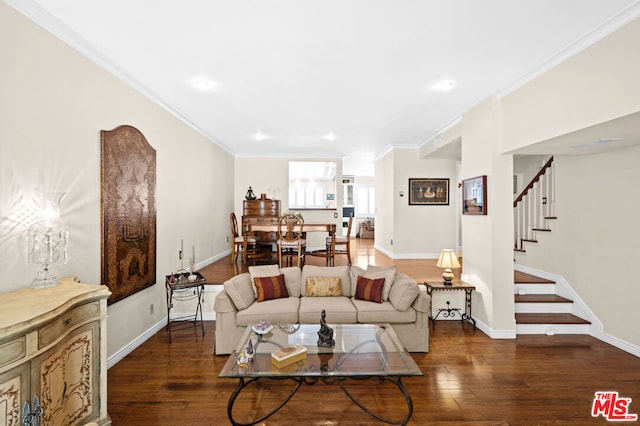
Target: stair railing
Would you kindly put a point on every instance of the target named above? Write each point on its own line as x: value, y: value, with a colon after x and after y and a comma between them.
x: 534, y: 206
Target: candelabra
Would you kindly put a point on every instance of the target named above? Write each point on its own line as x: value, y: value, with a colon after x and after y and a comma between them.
x: 48, y: 241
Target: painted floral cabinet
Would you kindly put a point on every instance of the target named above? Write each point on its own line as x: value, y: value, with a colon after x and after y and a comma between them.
x: 53, y: 356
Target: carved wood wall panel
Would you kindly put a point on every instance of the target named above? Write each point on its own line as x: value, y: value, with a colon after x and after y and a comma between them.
x: 128, y: 167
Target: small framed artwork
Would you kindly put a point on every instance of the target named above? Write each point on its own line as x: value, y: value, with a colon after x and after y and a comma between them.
x: 428, y: 192
x: 474, y: 195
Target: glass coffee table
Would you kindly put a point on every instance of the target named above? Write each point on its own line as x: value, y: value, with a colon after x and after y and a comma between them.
x: 361, y: 351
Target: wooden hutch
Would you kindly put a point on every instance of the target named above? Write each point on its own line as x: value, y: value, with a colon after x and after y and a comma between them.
x: 261, y: 210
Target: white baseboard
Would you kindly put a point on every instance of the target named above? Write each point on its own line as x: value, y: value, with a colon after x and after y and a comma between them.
x: 618, y: 343
x: 131, y: 346
x: 393, y: 255
x: 213, y: 259
x: 138, y: 341
x: 495, y: 334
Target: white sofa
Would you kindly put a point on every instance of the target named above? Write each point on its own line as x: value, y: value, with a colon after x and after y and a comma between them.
x: 403, y: 303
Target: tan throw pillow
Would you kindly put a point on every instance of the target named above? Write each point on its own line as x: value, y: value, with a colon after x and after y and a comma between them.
x: 323, y: 286
x: 327, y: 271
x: 403, y: 293
x: 240, y: 290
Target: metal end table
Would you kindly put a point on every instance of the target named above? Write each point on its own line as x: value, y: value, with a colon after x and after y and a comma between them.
x: 183, y: 289
x: 449, y: 311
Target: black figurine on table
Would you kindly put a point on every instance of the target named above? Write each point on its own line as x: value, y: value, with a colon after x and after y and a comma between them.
x: 325, y: 334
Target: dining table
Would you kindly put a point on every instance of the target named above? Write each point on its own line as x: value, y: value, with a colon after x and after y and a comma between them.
x: 329, y: 228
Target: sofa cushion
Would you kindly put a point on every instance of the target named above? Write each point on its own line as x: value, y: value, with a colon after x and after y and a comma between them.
x: 292, y: 280
x: 339, y: 310
x: 323, y: 286
x: 270, y: 288
x: 403, y: 292
x: 276, y: 311
x: 369, y: 289
x: 263, y: 271
x: 386, y: 272
x: 376, y: 313
x: 356, y: 272
x: 328, y: 271
x: 240, y: 290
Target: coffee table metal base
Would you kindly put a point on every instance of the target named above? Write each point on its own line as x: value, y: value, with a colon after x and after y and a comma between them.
x: 397, y: 381
x: 361, y: 352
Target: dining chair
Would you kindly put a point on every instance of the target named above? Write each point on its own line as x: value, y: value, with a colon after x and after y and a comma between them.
x: 244, y: 244
x: 341, y: 242
x: 290, y: 240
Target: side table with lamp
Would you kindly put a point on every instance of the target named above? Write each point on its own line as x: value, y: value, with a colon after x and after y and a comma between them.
x: 448, y: 260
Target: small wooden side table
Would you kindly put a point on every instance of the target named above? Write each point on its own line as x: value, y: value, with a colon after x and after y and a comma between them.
x: 183, y: 289
x: 449, y: 311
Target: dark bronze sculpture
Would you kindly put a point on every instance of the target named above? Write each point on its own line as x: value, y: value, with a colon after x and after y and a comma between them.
x: 325, y: 334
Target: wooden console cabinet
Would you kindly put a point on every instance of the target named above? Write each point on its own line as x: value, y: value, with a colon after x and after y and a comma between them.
x: 53, y: 344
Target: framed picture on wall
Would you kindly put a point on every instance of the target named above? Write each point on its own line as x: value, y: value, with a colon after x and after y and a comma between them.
x: 428, y: 192
x: 474, y: 195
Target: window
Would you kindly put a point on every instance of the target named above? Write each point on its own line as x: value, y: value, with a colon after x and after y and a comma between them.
x: 365, y: 200
x: 312, y: 185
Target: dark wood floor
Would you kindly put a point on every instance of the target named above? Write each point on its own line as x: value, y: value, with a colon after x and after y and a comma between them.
x: 468, y: 379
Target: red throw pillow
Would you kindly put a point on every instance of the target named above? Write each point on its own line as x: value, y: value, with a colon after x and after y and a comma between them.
x: 369, y: 289
x: 270, y: 287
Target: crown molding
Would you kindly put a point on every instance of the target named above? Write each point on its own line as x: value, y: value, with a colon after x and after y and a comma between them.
x: 617, y: 21
x: 55, y: 27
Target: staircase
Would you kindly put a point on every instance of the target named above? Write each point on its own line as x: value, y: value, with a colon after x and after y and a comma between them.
x: 540, y: 310
x: 534, y: 207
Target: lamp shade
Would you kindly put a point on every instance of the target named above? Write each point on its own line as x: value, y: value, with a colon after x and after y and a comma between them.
x: 447, y: 259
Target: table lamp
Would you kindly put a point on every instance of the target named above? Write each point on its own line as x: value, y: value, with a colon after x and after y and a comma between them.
x: 447, y: 260
x: 48, y: 241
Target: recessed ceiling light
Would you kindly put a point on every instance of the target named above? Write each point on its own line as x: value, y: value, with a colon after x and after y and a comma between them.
x: 330, y: 136
x: 202, y: 83
x: 443, y: 85
x: 259, y: 136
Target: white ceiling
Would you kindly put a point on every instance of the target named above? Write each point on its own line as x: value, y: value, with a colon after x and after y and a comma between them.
x: 330, y: 78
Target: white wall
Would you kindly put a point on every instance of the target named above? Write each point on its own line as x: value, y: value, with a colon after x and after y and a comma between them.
x: 53, y: 104
x: 487, y: 239
x: 385, y: 188
x: 594, y: 242
x: 422, y: 231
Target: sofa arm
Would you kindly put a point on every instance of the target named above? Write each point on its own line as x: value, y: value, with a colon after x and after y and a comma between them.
x: 227, y: 330
x: 422, y: 302
x: 223, y: 303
